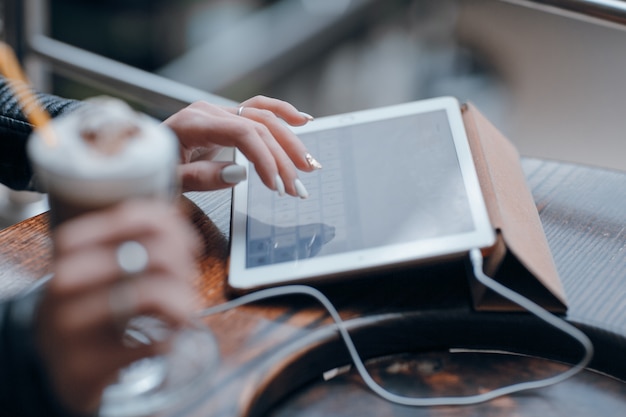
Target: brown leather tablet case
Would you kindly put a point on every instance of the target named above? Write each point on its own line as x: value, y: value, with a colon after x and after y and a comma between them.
x: 521, y: 258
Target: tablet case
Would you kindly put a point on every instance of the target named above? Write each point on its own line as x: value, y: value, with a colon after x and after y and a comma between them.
x: 521, y: 258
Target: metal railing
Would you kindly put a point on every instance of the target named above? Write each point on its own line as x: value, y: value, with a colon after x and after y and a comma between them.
x: 275, y: 37
x: 605, y: 12
x: 26, y: 24
x: 26, y: 27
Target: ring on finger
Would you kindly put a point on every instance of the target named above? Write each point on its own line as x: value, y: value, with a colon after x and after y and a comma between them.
x: 132, y: 257
x: 240, y: 110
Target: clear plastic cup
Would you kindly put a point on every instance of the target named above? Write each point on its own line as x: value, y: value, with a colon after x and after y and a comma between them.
x: 93, y: 158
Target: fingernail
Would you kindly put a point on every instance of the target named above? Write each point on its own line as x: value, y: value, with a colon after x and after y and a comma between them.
x: 301, y: 189
x: 308, y: 116
x: 313, y: 163
x: 233, y: 174
x: 280, y: 185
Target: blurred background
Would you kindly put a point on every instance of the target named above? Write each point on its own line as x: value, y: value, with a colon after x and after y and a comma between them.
x: 552, y: 84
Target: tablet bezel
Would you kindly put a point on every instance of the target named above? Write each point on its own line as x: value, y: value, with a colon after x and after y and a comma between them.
x: 312, y: 270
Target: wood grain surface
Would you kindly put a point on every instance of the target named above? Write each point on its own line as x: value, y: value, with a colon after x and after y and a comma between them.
x: 274, y: 353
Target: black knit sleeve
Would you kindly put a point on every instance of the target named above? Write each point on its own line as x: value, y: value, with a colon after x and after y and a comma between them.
x: 15, y: 169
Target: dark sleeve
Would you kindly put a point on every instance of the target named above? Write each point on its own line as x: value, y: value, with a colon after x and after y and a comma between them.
x: 15, y: 169
x: 24, y: 387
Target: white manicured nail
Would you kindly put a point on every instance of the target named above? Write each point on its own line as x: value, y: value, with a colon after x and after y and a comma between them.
x: 233, y: 174
x: 308, y: 116
x: 280, y: 185
x: 301, y: 189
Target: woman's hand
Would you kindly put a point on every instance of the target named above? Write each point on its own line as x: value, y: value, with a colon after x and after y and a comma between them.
x: 257, y: 128
x: 89, y: 300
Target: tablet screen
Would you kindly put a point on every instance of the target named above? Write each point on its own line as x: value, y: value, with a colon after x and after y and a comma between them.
x: 392, y: 188
x: 383, y: 182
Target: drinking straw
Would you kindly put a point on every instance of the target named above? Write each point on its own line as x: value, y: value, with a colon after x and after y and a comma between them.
x: 20, y: 87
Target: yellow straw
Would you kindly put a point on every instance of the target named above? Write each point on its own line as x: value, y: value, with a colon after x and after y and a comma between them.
x: 32, y: 109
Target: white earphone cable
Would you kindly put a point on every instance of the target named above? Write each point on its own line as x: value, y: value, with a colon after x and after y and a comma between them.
x: 476, y: 259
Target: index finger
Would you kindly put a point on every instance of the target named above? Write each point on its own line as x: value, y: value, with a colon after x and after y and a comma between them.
x: 286, y: 111
x: 122, y: 222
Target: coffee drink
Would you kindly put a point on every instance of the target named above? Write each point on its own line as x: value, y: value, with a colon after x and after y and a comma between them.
x: 102, y: 154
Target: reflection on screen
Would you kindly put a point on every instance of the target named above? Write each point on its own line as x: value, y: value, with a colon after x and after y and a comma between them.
x: 384, y: 182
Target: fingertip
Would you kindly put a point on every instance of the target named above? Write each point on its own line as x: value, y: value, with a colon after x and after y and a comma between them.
x: 307, y: 116
x: 312, y: 162
x: 301, y: 118
x: 233, y: 174
x: 279, y: 185
x: 301, y: 189
x: 210, y: 175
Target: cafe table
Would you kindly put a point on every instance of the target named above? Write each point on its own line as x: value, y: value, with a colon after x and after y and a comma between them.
x: 416, y: 330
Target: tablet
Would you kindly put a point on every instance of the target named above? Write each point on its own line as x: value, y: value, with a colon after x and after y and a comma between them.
x: 398, y: 187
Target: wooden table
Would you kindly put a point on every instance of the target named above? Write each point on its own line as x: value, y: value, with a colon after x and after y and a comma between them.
x: 421, y: 337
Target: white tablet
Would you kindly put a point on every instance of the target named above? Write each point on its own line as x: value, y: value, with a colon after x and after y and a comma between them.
x: 398, y: 187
